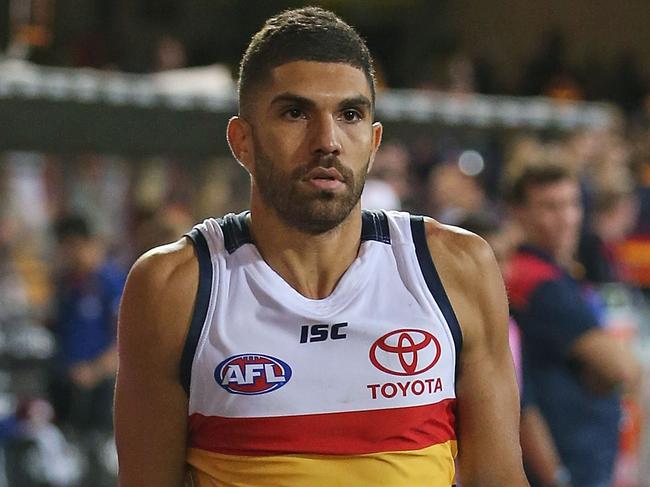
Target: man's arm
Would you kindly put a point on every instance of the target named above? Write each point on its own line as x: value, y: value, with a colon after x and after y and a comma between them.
x: 150, y: 403
x: 542, y: 459
x: 566, y: 325
x: 89, y: 374
x: 607, y: 363
x: 489, y: 454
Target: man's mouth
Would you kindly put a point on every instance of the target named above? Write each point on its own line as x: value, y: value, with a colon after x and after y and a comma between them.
x: 326, y: 173
x: 325, y: 178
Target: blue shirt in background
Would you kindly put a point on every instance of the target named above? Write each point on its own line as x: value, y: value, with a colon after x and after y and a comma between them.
x: 553, y: 310
x: 87, y: 313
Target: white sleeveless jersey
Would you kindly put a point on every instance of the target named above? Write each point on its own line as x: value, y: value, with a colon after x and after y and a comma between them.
x: 354, y: 389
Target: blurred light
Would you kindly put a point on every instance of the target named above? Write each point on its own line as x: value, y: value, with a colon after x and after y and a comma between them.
x: 471, y: 163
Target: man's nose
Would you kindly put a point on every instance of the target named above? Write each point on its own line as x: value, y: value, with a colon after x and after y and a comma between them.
x: 325, y: 135
x: 569, y: 216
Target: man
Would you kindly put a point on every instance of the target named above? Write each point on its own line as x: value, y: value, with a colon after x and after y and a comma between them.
x: 574, y: 371
x: 614, y: 216
x: 88, y: 289
x: 316, y: 343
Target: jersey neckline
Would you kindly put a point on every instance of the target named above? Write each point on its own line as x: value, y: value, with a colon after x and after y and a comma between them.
x: 237, y: 238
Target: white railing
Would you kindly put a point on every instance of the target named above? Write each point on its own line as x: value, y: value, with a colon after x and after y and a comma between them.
x: 211, y: 88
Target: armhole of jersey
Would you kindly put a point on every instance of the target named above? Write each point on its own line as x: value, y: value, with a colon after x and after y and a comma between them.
x: 432, y: 278
x: 200, y: 306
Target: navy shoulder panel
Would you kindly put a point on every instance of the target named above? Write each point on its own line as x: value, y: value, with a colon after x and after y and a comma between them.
x: 374, y: 226
x: 200, y: 306
x: 235, y: 231
x: 433, y: 281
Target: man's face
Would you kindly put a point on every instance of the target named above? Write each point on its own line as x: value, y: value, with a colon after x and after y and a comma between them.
x: 313, y: 139
x: 551, y: 216
x: 77, y: 253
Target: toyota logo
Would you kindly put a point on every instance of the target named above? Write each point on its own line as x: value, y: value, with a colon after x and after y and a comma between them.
x: 405, y: 352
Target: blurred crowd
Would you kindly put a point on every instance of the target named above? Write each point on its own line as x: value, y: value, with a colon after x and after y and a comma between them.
x: 71, y: 228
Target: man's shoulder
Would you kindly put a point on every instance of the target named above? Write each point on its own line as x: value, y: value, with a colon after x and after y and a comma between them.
x: 158, y: 301
x: 456, y: 244
x: 465, y: 263
x: 471, y: 278
x: 167, y: 268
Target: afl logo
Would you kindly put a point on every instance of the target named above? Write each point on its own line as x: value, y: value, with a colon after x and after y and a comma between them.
x: 252, y: 374
x: 405, y: 352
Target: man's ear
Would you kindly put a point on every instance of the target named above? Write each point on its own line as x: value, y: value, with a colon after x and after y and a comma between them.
x: 377, y: 131
x: 239, y: 136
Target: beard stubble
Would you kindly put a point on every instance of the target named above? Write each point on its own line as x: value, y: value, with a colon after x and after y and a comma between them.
x: 311, y: 211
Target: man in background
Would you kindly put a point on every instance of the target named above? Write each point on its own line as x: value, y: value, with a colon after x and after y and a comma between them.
x: 88, y: 287
x: 574, y: 372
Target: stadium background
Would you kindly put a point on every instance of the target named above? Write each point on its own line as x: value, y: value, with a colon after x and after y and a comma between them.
x: 117, y: 110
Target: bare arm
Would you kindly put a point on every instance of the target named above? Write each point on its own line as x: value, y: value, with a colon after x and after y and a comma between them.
x: 150, y: 403
x: 608, y: 364
x: 542, y: 458
x: 488, y: 401
x: 89, y: 374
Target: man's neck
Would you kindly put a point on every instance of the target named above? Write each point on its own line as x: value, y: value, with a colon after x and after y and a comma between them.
x: 311, y: 264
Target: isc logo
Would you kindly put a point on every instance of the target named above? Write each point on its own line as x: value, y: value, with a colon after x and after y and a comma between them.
x: 251, y: 374
x: 321, y: 332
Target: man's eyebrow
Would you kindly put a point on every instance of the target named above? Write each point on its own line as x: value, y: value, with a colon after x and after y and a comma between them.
x: 359, y: 101
x: 292, y: 98
x: 356, y: 101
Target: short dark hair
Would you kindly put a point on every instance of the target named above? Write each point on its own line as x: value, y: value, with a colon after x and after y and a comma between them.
x: 534, y: 175
x: 304, y: 34
x: 71, y: 226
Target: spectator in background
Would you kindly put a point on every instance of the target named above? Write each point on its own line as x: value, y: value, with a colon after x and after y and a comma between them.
x: 574, y: 372
x: 170, y: 54
x: 88, y: 287
x: 641, y: 172
x: 453, y: 194
x: 614, y: 215
x: 154, y: 227
x: 549, y: 72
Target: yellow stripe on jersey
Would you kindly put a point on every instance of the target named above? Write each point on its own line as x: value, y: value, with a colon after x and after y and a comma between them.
x: 429, y: 467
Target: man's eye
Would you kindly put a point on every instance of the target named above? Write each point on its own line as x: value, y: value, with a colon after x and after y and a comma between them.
x: 351, y: 115
x: 294, y: 113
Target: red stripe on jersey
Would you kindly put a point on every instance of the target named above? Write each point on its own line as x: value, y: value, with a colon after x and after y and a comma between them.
x: 349, y: 433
